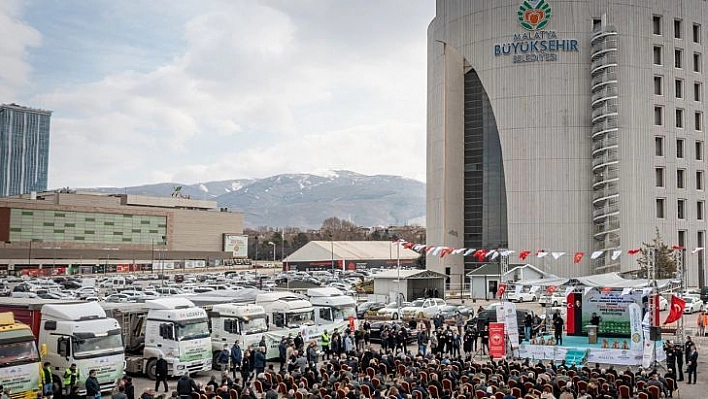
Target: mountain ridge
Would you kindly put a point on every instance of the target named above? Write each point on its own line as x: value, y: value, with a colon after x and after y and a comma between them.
x: 304, y: 200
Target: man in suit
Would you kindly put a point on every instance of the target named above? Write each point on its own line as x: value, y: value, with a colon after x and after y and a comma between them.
x: 692, y: 364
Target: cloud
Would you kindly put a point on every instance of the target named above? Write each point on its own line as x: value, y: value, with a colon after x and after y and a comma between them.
x: 258, y: 88
x: 17, y: 36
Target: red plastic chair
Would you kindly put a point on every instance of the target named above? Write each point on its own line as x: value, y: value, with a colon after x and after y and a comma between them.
x: 516, y: 392
x: 480, y: 394
x: 654, y: 391
x: 433, y: 390
x: 366, y: 391
x: 447, y: 385
x: 258, y: 386
x: 624, y: 392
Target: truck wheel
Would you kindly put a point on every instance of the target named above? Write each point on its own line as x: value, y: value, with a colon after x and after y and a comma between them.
x: 56, y: 387
x: 215, y: 362
x: 150, y: 370
x: 394, y: 316
x: 555, y: 303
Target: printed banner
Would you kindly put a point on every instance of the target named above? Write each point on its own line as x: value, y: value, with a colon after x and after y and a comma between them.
x: 543, y: 352
x: 496, y: 340
x: 612, y: 307
x: 635, y: 324
x: 506, y: 313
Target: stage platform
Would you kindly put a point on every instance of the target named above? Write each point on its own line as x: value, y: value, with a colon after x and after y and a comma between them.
x: 576, y: 349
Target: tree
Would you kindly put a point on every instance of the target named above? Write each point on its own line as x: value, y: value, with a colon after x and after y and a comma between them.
x: 340, y: 230
x: 664, y: 259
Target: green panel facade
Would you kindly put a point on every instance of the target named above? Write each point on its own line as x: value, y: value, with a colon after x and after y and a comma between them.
x: 85, y: 227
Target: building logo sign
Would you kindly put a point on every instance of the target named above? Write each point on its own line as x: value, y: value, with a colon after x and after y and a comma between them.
x: 535, y: 44
x: 534, y: 15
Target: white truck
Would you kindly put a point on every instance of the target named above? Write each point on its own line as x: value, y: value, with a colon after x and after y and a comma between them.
x: 286, y: 313
x: 69, y: 333
x: 331, y: 305
x: 232, y: 322
x: 169, y: 327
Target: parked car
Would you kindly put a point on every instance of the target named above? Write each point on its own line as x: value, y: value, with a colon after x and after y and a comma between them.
x: 378, y: 326
x: 391, y: 310
x: 365, y: 307
x: 427, y: 307
x: 554, y: 299
x: 693, y: 305
x: 521, y: 296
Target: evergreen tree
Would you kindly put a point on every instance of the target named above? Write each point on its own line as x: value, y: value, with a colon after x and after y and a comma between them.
x: 664, y: 256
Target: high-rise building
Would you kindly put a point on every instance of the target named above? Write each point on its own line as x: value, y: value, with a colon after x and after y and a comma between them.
x: 24, y: 149
x: 567, y: 126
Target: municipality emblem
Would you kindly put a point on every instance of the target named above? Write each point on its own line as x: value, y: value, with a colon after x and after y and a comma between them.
x: 534, y: 14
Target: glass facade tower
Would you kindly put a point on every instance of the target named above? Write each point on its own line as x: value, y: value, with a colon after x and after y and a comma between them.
x: 24, y: 149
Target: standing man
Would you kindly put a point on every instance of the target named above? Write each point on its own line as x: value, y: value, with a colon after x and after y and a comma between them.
x: 161, y: 373
x: 678, y: 350
x: 259, y: 360
x: 236, y: 359
x: 558, y: 329
x: 71, y: 378
x: 224, y: 357
x: 670, y: 357
x: 528, y: 324
x: 692, y: 364
x: 283, y: 352
x: 687, y: 347
x: 325, y: 345
x: 93, y: 389
x: 185, y: 387
x: 422, y: 341
x: 47, y: 382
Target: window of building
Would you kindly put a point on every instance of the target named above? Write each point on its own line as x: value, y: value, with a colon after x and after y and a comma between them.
x: 699, y: 150
x: 699, y: 180
x: 658, y: 115
x: 679, y: 118
x: 681, y: 209
x: 678, y: 88
x: 659, y: 146
x: 656, y: 25
x: 681, y: 178
x: 659, y: 172
x: 700, y: 205
x: 697, y: 91
x: 678, y: 58
x: 696, y: 33
x: 682, y: 238
x: 658, y: 89
x: 657, y: 55
x: 696, y: 62
x: 701, y: 236
x: 698, y: 120
x: 596, y: 24
x: 677, y: 29
x: 679, y: 148
x: 660, y: 208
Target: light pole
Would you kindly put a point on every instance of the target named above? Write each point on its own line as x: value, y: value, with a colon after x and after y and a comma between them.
x: 273, y: 244
x: 255, y: 260
x: 331, y: 244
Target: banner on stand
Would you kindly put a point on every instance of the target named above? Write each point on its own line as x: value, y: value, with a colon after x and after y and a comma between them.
x: 496, y: 340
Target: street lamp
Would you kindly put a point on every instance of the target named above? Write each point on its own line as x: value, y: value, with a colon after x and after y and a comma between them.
x: 331, y: 244
x: 273, y: 244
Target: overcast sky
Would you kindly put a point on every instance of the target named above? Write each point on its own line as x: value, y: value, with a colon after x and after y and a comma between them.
x: 148, y: 91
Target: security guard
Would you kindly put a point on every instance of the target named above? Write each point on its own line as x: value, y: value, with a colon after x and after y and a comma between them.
x: 325, y: 344
x: 71, y: 378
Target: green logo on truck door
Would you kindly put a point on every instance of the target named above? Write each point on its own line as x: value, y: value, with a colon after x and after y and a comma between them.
x: 21, y: 380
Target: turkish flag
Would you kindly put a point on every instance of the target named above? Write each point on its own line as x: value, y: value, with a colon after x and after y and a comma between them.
x: 524, y: 254
x: 551, y: 289
x: 633, y: 251
x: 606, y: 290
x: 501, y: 290
x: 677, y: 248
x: 677, y: 307
x: 578, y: 256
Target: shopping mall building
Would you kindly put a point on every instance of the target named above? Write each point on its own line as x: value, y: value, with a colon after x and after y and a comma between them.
x: 567, y: 126
x: 49, y: 232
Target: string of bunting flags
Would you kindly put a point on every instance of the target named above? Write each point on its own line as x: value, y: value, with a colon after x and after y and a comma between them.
x: 483, y: 255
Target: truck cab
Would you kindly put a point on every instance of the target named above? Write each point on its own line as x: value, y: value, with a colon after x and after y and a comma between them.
x: 286, y: 310
x: 19, y: 358
x: 81, y: 333
x: 173, y: 328
x: 236, y: 322
x: 331, y: 305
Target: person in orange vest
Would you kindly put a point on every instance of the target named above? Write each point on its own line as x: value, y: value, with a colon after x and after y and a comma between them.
x: 702, y: 321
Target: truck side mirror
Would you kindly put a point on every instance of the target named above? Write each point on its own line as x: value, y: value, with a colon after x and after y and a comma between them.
x: 63, y: 347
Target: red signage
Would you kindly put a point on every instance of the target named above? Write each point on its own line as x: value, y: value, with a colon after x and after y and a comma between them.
x: 496, y: 340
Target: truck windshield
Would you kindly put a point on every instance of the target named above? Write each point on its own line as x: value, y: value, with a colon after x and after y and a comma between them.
x: 18, y: 353
x: 254, y: 326
x: 300, y: 319
x: 87, y: 346
x: 344, y: 312
x: 192, y: 330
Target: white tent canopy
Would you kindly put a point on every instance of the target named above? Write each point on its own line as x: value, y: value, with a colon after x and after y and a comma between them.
x: 613, y: 280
